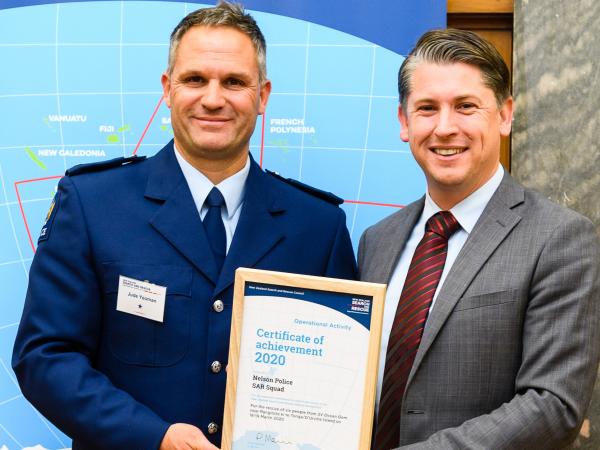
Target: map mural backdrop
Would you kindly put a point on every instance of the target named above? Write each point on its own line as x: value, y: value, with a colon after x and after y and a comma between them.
x: 80, y: 82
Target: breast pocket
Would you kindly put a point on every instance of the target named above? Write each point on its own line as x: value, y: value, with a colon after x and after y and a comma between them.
x: 487, y: 299
x: 140, y: 341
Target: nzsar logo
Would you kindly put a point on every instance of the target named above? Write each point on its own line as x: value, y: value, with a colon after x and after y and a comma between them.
x: 360, y: 305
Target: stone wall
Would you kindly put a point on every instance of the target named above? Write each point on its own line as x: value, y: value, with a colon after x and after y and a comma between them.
x: 556, y: 132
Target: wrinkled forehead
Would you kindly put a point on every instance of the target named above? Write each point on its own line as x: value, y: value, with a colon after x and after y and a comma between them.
x: 217, y: 39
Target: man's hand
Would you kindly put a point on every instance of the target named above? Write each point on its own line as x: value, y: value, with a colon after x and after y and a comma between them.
x: 182, y: 436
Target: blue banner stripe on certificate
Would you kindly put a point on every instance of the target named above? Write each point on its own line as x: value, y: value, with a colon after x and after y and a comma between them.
x: 357, y: 307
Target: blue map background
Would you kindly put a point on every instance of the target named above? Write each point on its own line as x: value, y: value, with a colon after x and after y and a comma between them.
x: 81, y: 83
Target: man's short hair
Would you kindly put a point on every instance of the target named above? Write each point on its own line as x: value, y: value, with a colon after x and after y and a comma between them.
x: 451, y: 46
x: 225, y: 14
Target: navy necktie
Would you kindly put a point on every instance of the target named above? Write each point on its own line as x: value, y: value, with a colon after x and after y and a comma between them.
x: 214, y: 227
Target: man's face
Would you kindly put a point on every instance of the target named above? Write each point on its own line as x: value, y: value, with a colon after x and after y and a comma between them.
x: 453, y: 125
x: 214, y: 95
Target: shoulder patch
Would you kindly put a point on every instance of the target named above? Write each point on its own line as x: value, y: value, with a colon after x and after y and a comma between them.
x: 103, y: 165
x: 323, y: 195
x: 52, y: 211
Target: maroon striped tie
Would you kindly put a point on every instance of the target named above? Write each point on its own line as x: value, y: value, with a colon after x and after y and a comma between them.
x: 421, y: 282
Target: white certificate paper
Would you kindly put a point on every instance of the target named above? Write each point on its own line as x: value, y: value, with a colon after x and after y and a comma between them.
x: 302, y: 369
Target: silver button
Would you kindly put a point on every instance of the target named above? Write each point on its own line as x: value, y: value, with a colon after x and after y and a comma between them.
x: 212, y: 428
x: 215, y: 367
x: 218, y: 306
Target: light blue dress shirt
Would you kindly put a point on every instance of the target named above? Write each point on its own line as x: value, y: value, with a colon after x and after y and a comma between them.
x: 232, y: 188
x: 467, y: 212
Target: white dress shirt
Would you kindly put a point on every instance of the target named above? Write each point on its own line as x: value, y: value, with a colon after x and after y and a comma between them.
x: 467, y: 213
x: 232, y: 188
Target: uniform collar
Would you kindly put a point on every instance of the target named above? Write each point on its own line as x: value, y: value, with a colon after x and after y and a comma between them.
x: 232, y: 188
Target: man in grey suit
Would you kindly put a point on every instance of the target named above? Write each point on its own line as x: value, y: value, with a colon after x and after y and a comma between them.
x: 494, y: 344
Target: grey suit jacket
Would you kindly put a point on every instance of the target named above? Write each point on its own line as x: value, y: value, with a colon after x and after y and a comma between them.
x: 510, y: 352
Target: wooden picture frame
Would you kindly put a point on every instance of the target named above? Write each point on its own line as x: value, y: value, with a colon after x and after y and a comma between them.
x: 303, y: 362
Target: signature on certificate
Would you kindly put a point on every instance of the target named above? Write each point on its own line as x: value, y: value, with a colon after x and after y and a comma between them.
x: 267, y: 437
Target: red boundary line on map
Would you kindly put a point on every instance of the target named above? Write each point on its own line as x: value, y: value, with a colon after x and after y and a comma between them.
x: 147, y: 126
x: 262, y: 151
x: 16, y: 183
x: 262, y: 139
x: 360, y: 202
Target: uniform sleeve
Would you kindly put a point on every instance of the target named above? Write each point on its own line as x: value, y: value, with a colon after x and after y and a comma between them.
x: 342, y: 263
x: 560, y: 353
x: 58, y: 338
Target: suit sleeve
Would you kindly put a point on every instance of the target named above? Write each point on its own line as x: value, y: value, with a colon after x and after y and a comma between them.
x: 560, y: 353
x: 341, y: 263
x: 58, y: 338
x: 362, y: 252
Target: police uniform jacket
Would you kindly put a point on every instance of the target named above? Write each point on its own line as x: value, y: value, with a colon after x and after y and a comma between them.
x: 112, y: 380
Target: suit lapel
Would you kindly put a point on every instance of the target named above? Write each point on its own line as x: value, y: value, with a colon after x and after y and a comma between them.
x: 177, y: 220
x: 394, y: 240
x: 256, y: 232
x: 495, y: 224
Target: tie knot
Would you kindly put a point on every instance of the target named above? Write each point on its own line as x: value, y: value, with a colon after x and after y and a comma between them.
x: 215, y: 198
x: 443, y: 224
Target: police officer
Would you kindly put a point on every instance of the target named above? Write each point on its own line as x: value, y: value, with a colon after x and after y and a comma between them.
x: 125, y: 331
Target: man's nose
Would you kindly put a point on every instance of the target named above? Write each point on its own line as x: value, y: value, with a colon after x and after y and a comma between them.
x: 213, y: 95
x: 446, y: 124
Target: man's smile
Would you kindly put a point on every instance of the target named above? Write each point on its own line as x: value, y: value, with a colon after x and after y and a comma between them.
x: 447, y: 151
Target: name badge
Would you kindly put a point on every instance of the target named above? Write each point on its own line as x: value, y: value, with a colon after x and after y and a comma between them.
x: 141, y: 298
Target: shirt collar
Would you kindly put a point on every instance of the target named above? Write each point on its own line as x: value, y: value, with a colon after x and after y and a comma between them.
x: 232, y: 188
x: 468, y: 211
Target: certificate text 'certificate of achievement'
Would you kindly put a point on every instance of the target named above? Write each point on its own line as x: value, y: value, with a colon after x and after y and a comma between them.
x: 303, y: 362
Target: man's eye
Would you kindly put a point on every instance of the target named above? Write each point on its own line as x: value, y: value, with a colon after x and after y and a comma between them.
x: 466, y: 106
x: 194, y: 79
x: 426, y: 108
x: 234, y: 82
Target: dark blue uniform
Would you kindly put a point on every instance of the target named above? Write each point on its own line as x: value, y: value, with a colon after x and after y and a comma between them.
x: 112, y: 380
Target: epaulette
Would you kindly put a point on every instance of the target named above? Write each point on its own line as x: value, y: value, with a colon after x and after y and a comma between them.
x: 103, y: 165
x: 323, y: 195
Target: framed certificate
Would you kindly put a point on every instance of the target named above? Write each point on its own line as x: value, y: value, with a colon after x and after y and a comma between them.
x: 303, y: 361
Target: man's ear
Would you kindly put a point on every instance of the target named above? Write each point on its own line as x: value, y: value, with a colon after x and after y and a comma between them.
x: 165, y: 80
x: 403, y: 123
x: 506, y: 116
x: 265, y: 91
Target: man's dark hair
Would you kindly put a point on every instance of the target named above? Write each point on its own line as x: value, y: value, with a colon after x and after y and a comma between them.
x: 451, y: 46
